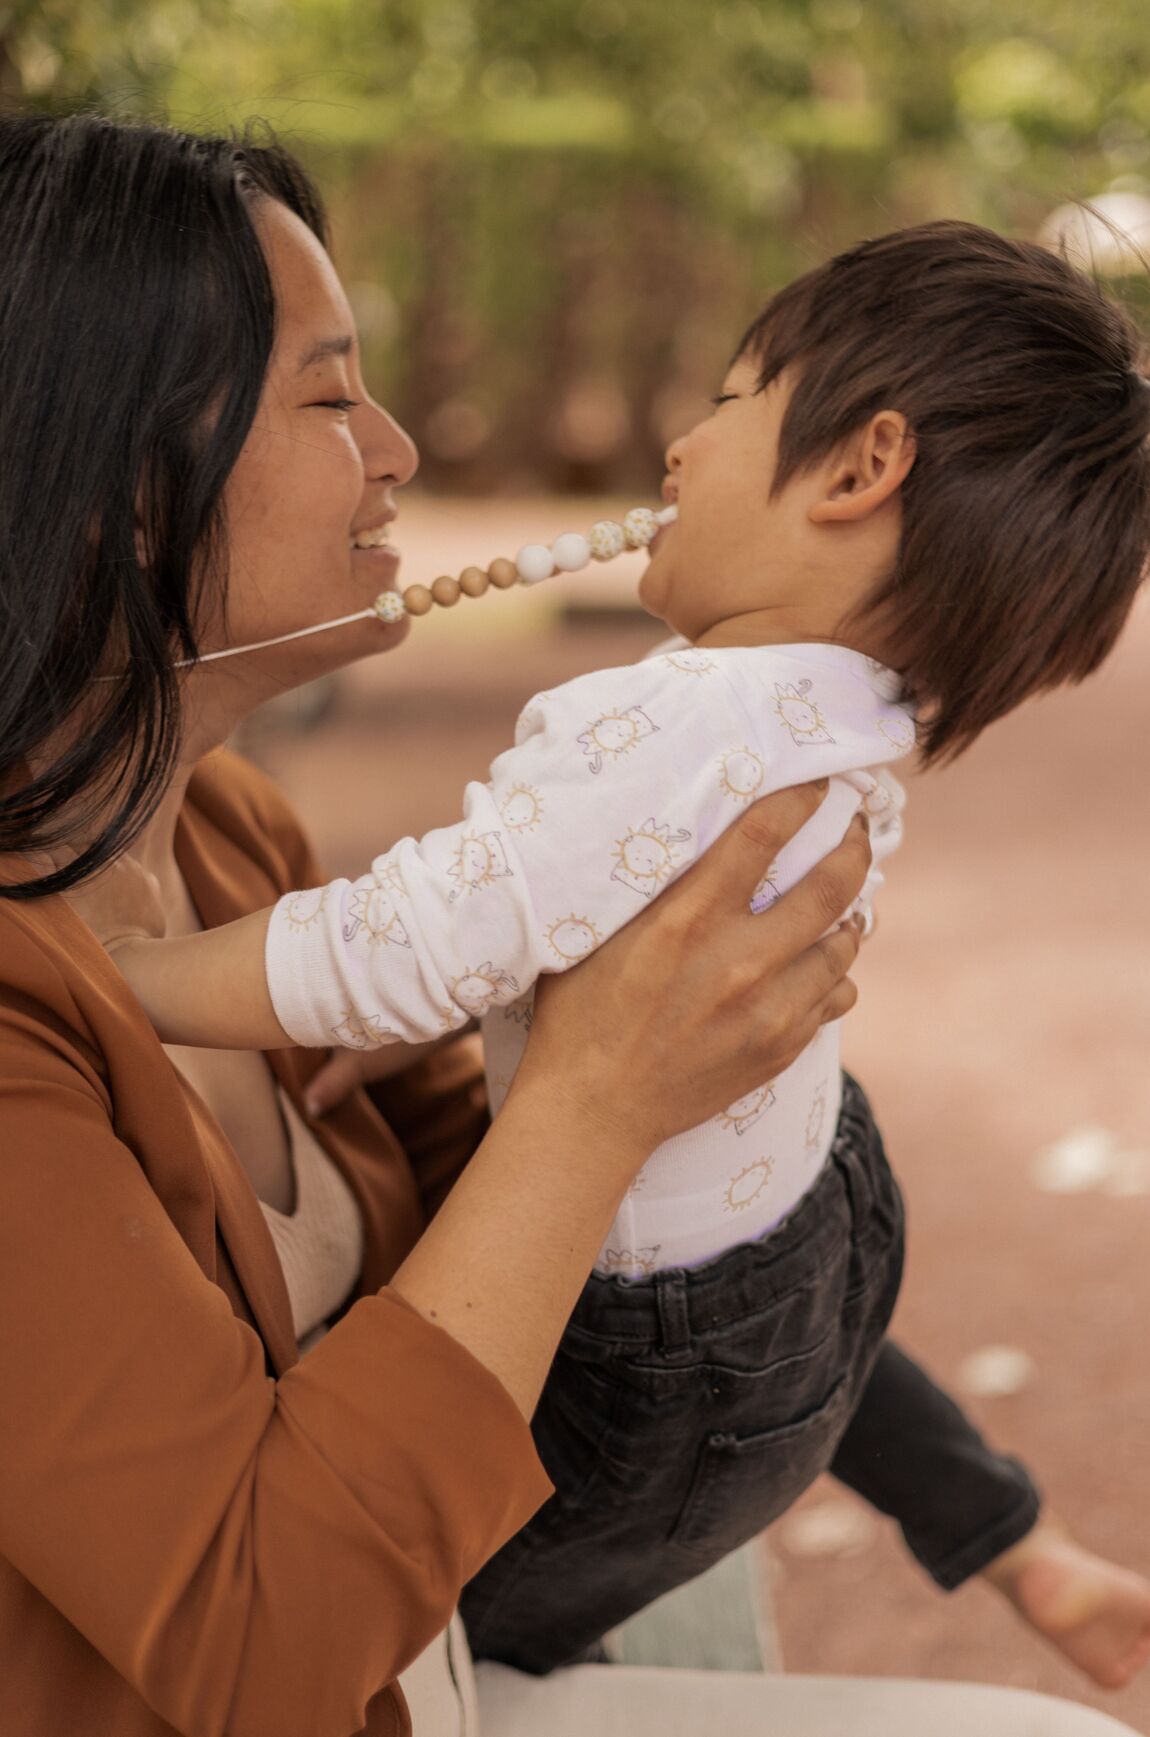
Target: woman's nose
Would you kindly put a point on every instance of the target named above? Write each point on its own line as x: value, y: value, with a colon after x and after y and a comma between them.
x: 389, y: 453
x: 674, y: 453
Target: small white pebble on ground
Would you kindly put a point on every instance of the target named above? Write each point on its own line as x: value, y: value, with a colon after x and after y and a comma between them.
x: 996, y: 1371
x: 831, y: 1529
x: 1080, y: 1161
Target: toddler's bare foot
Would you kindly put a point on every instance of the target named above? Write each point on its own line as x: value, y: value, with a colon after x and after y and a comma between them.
x: 1094, y: 1612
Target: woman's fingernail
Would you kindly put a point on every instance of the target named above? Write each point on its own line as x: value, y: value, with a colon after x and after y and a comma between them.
x: 313, y: 1104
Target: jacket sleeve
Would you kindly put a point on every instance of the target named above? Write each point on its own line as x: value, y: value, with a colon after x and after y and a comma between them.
x: 251, y: 1556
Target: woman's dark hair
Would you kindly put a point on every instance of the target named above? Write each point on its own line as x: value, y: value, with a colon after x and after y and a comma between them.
x: 137, y: 319
x: 1026, y: 515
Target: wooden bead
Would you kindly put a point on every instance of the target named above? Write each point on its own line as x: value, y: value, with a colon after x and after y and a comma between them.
x: 445, y: 590
x: 417, y: 599
x: 503, y: 573
x: 473, y: 582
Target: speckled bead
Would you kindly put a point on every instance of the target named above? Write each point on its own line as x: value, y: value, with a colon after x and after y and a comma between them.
x: 639, y: 527
x: 607, y: 540
x: 503, y: 573
x: 417, y: 600
x: 571, y: 552
x: 473, y: 582
x: 389, y: 607
x: 445, y: 591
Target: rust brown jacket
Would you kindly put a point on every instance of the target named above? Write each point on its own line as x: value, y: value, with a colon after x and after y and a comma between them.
x: 198, y: 1533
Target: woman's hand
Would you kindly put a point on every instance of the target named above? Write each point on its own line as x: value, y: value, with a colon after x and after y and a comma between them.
x: 697, y: 1001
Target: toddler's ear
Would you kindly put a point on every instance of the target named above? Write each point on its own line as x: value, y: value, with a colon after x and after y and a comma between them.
x: 868, y: 471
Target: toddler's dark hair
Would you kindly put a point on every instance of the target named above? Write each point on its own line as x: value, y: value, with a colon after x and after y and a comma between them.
x: 1026, y: 515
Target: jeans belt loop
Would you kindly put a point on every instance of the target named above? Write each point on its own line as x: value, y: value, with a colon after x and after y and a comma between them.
x: 674, y: 1322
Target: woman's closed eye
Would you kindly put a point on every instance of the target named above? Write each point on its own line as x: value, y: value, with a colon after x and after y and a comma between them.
x: 343, y: 405
x: 723, y: 398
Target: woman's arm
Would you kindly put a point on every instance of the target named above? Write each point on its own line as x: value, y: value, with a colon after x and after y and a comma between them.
x: 250, y: 1555
x: 257, y: 1555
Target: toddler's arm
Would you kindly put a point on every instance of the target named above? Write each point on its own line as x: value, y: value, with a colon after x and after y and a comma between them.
x: 614, y: 785
x: 209, y: 990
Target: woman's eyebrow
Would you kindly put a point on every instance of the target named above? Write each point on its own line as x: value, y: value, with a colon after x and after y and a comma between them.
x: 325, y: 347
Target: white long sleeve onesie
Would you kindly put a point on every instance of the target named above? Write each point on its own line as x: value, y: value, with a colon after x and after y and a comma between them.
x: 616, y: 782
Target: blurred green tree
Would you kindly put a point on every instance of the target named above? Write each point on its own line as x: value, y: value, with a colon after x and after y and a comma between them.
x: 556, y: 218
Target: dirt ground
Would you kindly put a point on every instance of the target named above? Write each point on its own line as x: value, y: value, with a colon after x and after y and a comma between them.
x: 1005, y: 1011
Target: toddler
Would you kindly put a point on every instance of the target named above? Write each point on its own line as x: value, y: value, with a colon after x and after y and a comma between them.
x: 923, y: 496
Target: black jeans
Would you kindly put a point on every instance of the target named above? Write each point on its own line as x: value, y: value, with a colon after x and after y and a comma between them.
x: 686, y: 1411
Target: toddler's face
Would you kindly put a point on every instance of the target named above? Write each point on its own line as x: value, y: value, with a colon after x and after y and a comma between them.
x: 733, y: 549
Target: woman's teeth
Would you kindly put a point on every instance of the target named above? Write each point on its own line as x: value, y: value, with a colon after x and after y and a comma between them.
x: 370, y: 539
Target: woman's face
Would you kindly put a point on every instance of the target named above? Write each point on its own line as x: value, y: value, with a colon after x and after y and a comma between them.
x: 318, y: 467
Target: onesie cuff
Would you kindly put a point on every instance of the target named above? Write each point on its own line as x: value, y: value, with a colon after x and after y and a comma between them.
x: 293, y: 987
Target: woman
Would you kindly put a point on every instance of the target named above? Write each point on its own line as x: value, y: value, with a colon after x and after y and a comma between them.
x: 198, y: 1531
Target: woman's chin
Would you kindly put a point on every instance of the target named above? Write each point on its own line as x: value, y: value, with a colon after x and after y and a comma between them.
x: 393, y: 633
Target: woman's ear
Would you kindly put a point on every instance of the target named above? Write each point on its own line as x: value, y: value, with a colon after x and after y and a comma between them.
x: 868, y: 472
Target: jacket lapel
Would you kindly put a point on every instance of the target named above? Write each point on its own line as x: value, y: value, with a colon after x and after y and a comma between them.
x: 225, y: 884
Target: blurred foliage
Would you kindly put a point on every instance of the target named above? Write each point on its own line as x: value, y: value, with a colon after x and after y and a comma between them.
x: 556, y: 218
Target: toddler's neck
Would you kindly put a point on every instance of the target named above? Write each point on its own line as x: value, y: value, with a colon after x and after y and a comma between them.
x: 766, y: 627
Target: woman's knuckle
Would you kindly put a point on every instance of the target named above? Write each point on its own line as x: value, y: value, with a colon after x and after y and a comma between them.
x: 761, y: 832
x: 833, y: 957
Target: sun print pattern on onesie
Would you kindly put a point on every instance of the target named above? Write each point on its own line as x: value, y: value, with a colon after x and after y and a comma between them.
x: 816, y: 1117
x: 800, y: 714
x: 646, y: 857
x: 521, y: 808
x: 482, y: 987
x: 479, y: 861
x: 746, y: 1111
x: 614, y: 734
x: 367, y: 1032
x: 372, y: 912
x: 626, y: 1260
x: 741, y: 774
x: 745, y: 1188
x: 572, y: 938
x: 389, y: 875
x: 303, y: 909
x: 898, y: 730
x: 690, y: 661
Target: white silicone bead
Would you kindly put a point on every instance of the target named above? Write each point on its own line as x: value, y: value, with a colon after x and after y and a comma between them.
x: 571, y: 552
x: 606, y: 539
x: 639, y: 527
x: 389, y: 606
x: 534, y: 563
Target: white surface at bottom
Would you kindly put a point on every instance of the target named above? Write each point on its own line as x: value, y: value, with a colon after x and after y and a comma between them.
x: 632, y: 1701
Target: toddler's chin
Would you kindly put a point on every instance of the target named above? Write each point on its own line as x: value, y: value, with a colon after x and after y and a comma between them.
x: 652, y: 592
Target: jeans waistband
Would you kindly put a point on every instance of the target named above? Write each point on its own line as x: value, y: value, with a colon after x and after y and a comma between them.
x: 666, y: 1309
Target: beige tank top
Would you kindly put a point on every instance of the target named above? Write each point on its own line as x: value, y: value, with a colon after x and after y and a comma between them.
x: 320, y: 1244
